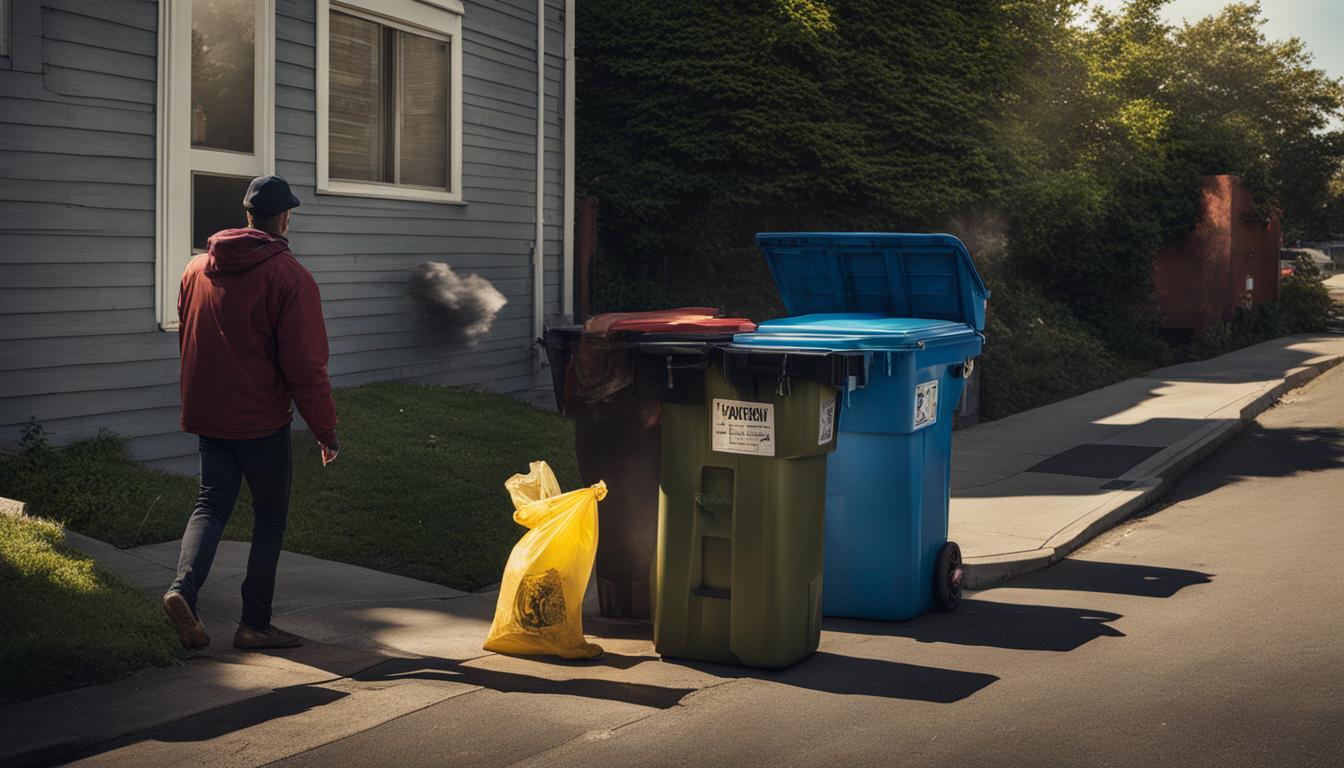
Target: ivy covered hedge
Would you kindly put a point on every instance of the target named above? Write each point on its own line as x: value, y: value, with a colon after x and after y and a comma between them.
x: 1065, y: 149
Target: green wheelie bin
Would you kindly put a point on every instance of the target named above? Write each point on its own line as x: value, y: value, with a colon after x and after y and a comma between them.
x: 742, y: 499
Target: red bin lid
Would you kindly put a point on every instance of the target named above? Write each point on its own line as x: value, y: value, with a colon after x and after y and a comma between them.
x: 685, y: 320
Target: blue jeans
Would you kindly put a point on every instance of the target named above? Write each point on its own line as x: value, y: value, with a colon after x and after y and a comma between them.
x: 267, y: 464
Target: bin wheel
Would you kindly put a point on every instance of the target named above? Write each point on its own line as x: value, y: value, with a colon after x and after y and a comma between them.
x: 947, y: 577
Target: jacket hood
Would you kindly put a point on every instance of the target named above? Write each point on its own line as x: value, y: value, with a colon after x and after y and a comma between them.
x: 238, y: 250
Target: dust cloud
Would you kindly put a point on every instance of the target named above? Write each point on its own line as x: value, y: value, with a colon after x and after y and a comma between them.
x: 465, y: 306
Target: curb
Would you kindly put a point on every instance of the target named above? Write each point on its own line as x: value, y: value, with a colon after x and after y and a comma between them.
x: 57, y: 753
x: 993, y: 570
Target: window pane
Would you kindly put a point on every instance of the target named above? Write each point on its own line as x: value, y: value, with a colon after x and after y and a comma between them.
x: 424, y: 111
x: 4, y: 27
x: 222, y: 69
x: 216, y: 203
x: 355, y: 106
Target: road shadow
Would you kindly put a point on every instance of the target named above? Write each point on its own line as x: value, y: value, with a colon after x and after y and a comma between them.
x: 857, y: 676
x: 1112, y: 578
x: 297, y: 699
x: 1261, y: 451
x: 223, y: 720
x: 446, y: 670
x: 828, y: 672
x: 996, y: 625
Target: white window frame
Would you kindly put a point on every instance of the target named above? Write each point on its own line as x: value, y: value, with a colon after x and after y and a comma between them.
x: 438, y: 19
x: 178, y: 160
x: 5, y: 30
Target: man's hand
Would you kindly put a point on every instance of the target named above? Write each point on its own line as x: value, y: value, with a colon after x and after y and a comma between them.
x: 330, y: 450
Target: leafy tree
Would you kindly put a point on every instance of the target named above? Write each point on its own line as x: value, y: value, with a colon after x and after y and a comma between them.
x: 1259, y: 108
x: 1068, y: 142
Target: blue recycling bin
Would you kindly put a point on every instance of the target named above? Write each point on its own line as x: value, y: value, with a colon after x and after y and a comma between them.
x: 914, y: 306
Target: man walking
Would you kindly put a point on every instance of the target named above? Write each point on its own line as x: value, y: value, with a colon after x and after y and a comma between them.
x: 252, y: 339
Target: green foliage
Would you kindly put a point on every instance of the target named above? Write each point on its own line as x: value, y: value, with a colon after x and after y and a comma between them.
x: 418, y: 489
x: 1304, y: 306
x: 1330, y: 214
x: 1094, y: 189
x: 67, y: 622
x: 1079, y: 136
x: 1037, y: 353
x: 94, y: 487
x: 1304, y: 301
x: 705, y: 123
x: 1247, y: 105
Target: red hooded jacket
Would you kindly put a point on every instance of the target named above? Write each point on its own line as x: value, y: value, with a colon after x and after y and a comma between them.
x: 252, y: 338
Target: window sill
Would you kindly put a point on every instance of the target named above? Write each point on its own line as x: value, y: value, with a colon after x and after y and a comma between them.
x: 388, y: 192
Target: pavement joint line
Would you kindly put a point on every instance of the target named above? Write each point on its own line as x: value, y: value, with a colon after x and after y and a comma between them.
x: 454, y: 695
x: 90, y: 748
x: 1102, y: 501
x: 371, y: 601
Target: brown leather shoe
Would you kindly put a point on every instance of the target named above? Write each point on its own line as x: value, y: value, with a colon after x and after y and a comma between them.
x: 249, y: 639
x: 189, y: 629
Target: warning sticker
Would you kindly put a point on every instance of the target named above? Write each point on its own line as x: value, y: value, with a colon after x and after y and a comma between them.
x: 826, y: 430
x: 743, y: 427
x: 926, y: 404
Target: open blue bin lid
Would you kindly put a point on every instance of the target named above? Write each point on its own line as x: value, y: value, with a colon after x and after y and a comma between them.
x: 877, y: 273
x: 856, y: 331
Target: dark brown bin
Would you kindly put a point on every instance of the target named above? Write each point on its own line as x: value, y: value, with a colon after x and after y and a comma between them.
x: 614, y: 395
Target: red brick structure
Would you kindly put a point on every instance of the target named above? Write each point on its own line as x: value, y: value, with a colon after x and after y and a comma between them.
x: 1231, y: 259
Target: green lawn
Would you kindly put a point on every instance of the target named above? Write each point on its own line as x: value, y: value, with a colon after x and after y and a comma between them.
x: 67, y: 622
x: 418, y: 489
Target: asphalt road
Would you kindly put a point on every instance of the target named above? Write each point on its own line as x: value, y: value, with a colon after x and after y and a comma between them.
x: 1209, y: 632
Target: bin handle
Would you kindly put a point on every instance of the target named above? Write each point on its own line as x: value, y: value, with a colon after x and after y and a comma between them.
x: 700, y: 364
x: 963, y: 369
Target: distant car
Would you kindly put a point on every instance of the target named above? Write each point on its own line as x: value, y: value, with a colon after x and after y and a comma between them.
x: 1289, y: 256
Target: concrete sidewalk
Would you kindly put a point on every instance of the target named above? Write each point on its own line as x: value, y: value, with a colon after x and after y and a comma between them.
x: 1029, y: 489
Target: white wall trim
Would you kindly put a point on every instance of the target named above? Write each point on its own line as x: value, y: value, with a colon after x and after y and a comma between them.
x: 539, y: 237
x: 161, y: 131
x: 567, y: 265
x: 176, y: 159
x: 441, y: 19
x: 390, y: 192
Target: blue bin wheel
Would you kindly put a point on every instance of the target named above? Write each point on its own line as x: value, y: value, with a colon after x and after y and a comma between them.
x: 947, y: 577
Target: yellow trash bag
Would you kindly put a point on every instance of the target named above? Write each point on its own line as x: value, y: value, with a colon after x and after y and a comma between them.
x: 540, y: 608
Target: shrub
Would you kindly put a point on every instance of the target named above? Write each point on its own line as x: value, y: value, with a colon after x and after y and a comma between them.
x: 94, y: 486
x: 1304, y: 301
x: 1037, y: 352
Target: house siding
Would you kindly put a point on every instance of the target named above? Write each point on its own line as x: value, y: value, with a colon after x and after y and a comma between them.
x: 80, y: 347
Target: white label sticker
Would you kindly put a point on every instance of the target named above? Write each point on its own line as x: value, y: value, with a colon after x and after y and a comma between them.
x: 743, y: 427
x: 826, y: 430
x: 926, y: 404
